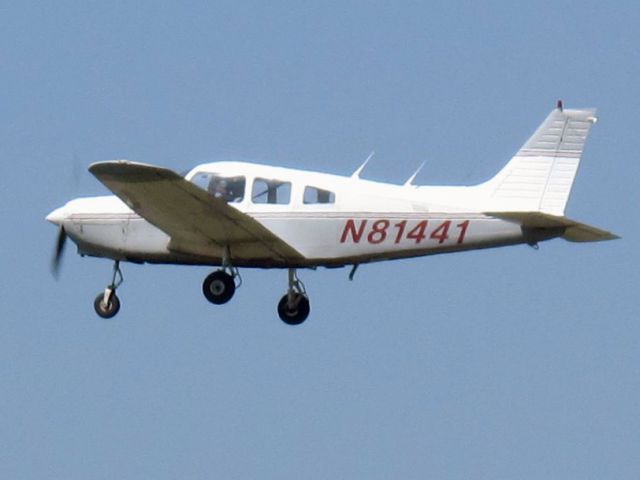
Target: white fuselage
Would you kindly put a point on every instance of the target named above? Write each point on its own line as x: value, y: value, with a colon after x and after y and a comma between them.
x: 360, y: 221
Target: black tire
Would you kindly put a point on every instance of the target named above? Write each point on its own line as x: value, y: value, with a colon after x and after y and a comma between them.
x: 218, y: 287
x: 297, y: 315
x: 107, y: 311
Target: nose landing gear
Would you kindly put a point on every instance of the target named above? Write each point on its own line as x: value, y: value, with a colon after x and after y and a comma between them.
x: 107, y: 303
x: 294, y: 307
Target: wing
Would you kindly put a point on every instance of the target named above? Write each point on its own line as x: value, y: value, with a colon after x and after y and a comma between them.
x: 196, y: 222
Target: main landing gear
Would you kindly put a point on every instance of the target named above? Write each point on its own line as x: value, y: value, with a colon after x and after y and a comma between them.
x: 107, y: 303
x: 293, y: 307
x: 220, y: 285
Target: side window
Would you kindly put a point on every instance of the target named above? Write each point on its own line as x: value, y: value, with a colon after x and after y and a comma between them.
x: 271, y: 191
x: 317, y: 195
x: 230, y: 189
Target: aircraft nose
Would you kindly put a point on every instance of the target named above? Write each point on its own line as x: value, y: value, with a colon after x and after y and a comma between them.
x: 57, y: 216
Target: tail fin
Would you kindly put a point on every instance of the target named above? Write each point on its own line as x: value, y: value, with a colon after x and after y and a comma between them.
x: 540, y: 176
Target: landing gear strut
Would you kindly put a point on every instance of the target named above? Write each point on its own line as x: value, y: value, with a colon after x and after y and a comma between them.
x: 220, y: 285
x: 107, y: 303
x: 293, y: 307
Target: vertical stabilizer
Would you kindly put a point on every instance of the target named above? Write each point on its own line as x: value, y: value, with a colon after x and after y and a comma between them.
x: 540, y: 176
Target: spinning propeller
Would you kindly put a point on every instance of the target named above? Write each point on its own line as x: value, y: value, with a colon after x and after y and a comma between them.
x: 57, y: 217
x: 57, y: 255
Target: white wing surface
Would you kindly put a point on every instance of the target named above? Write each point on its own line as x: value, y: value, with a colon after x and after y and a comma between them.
x: 197, y: 222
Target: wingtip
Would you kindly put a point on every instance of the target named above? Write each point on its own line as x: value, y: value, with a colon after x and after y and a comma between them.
x: 97, y: 167
x: 119, y: 167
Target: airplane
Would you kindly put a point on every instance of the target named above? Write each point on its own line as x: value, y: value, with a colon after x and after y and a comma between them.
x: 235, y: 215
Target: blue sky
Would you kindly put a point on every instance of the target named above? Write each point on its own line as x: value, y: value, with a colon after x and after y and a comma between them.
x: 511, y: 363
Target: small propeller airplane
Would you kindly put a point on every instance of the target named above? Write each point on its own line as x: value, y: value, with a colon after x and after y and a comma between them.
x: 237, y: 214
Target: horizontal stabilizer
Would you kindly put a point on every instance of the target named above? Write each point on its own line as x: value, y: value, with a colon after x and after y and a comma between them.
x: 574, y: 231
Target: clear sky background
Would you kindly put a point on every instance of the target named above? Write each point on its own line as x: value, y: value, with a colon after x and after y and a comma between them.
x: 510, y: 363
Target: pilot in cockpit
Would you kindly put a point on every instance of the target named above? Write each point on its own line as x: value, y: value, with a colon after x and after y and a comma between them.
x: 218, y: 188
x: 228, y: 189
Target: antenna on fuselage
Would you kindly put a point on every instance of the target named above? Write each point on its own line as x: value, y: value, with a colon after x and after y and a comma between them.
x: 356, y: 174
x: 410, y: 180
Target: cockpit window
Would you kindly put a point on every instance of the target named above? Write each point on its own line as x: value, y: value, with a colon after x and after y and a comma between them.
x: 271, y: 191
x: 317, y: 195
x: 230, y: 189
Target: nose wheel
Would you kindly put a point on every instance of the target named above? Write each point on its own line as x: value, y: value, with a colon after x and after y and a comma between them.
x: 107, y: 303
x: 294, y: 307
